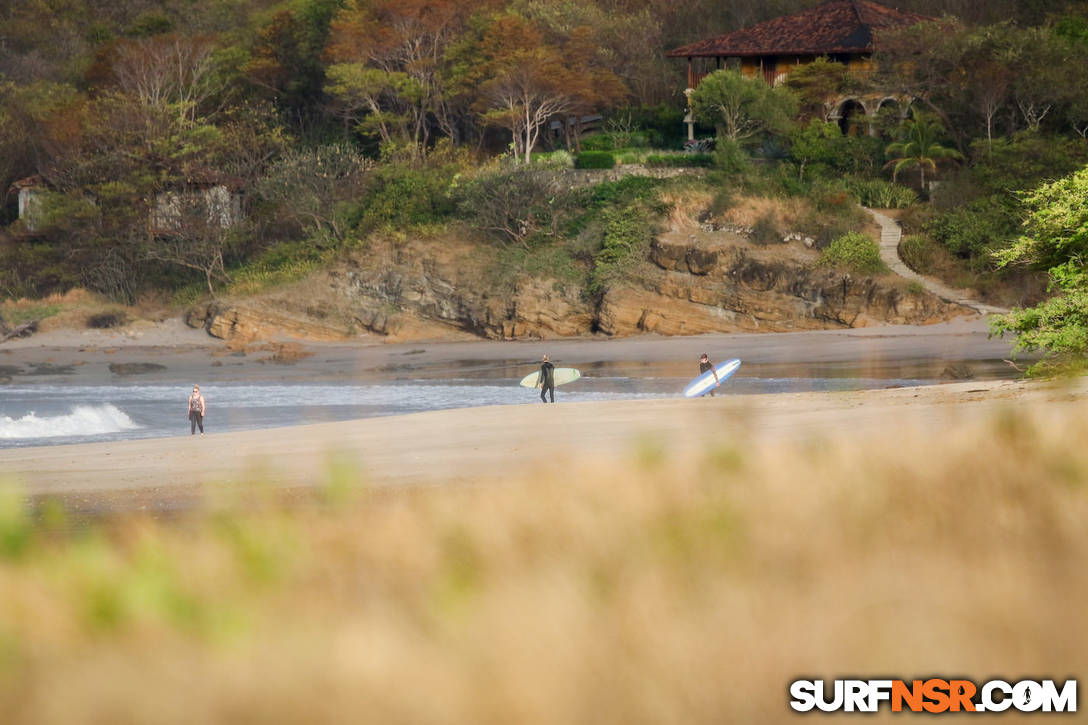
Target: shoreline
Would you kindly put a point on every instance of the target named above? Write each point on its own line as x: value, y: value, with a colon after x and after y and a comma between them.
x: 177, y: 354
x: 488, y: 444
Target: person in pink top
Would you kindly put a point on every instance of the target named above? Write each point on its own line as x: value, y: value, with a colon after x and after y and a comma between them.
x: 197, y: 406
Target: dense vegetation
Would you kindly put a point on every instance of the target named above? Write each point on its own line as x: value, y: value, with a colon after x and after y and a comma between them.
x: 339, y: 118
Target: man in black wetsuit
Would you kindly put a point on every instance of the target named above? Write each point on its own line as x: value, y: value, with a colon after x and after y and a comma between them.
x: 547, y: 380
x: 704, y: 365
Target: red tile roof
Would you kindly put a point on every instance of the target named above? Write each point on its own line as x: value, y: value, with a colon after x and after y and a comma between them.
x: 841, y: 26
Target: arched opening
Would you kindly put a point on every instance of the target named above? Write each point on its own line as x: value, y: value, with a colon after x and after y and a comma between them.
x: 889, y: 114
x: 851, y: 117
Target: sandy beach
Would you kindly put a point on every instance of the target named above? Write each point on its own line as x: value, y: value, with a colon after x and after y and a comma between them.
x: 480, y: 443
x: 492, y: 443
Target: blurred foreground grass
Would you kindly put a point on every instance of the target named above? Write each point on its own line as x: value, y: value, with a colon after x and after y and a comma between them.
x: 671, y: 591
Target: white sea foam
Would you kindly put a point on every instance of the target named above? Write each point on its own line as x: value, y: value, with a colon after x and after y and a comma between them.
x: 83, y: 420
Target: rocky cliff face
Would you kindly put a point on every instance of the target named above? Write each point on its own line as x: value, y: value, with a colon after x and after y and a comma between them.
x: 693, y: 288
x: 451, y: 288
x: 686, y: 286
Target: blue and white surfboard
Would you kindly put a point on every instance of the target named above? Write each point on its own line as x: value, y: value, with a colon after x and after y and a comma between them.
x: 703, y: 384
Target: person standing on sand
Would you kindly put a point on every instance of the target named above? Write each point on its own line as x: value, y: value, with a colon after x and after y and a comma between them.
x: 197, y: 406
x: 704, y: 365
x: 547, y: 379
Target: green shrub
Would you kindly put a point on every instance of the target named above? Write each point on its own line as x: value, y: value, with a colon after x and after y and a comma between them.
x: 406, y: 196
x: 628, y: 232
x: 680, y: 160
x: 730, y: 159
x: 513, y: 205
x: 626, y: 190
x: 662, y: 125
x: 861, y: 154
x: 916, y: 288
x: 879, y: 193
x: 595, y: 160
x: 597, y: 142
x: 561, y: 159
x: 975, y: 229
x: 918, y: 252
x: 855, y: 252
x: 279, y: 264
x: 614, y: 141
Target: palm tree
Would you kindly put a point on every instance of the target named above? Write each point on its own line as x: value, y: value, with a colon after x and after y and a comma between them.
x: 918, y: 147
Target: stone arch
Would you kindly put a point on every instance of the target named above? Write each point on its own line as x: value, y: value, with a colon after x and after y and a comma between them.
x: 848, y: 114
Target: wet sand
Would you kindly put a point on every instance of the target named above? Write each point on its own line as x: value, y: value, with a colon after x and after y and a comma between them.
x: 188, y: 356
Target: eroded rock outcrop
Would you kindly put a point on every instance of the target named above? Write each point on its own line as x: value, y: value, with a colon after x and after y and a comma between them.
x: 685, y: 287
x: 243, y: 323
x: 685, y: 294
x: 455, y: 291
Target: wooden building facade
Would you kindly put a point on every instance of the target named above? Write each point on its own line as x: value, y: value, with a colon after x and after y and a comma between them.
x: 844, y: 31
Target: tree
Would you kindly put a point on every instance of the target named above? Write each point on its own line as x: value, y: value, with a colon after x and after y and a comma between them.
x: 199, y: 238
x: 388, y: 65
x: 166, y: 70
x: 529, y: 81
x: 307, y: 189
x: 974, y: 77
x: 815, y: 143
x: 919, y: 148
x: 1056, y: 227
x: 742, y: 108
x: 1038, y: 85
x: 512, y: 205
x: 815, y: 83
x: 989, y: 77
x: 925, y: 61
x: 287, y: 57
x: 620, y: 39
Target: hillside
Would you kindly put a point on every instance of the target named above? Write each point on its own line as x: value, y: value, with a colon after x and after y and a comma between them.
x: 691, y: 278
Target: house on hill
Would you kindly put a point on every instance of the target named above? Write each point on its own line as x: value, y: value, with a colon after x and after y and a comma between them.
x: 207, y: 201
x: 845, y: 31
x: 30, y: 191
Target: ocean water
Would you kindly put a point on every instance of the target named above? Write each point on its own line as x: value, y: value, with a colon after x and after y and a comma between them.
x: 52, y: 414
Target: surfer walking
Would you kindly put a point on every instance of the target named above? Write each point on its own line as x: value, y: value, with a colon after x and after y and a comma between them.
x: 704, y: 365
x: 547, y: 380
x: 197, y: 406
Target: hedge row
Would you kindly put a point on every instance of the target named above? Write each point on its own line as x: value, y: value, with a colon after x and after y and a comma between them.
x: 680, y: 160
x: 595, y: 160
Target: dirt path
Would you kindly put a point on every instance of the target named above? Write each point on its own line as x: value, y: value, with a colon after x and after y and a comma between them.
x: 890, y: 236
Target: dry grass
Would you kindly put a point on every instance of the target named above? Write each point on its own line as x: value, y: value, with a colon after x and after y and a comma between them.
x: 747, y: 210
x: 685, y: 207
x: 73, y: 309
x: 671, y: 591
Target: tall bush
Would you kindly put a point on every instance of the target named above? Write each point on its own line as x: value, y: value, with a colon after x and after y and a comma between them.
x: 512, y: 206
x: 855, y: 252
x: 595, y: 160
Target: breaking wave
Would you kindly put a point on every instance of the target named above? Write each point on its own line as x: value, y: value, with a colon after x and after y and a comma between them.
x: 83, y: 420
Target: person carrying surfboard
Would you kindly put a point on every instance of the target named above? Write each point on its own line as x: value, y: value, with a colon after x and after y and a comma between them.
x: 704, y: 365
x: 547, y: 379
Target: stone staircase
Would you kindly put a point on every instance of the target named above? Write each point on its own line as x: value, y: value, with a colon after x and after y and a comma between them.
x: 890, y: 235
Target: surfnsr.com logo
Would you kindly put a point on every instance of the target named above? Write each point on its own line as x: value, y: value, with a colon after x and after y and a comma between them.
x: 933, y: 696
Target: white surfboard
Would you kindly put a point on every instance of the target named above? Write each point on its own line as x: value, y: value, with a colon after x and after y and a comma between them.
x: 561, y: 376
x: 705, y: 383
